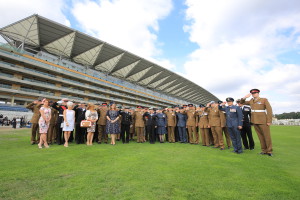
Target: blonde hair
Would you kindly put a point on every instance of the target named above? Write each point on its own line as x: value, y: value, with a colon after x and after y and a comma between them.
x: 70, y: 103
x: 90, y: 105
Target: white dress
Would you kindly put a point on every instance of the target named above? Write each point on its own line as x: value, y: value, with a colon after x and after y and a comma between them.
x: 71, y: 120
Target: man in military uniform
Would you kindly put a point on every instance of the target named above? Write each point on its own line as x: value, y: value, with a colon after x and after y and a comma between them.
x: 181, y: 124
x: 139, y: 123
x: 150, y: 121
x: 261, y: 118
x: 214, y: 120
x: 203, y: 125
x: 102, y: 111
x: 51, y: 135
x: 176, y: 131
x: 224, y: 127
x: 35, y: 107
x: 234, y: 117
x: 80, y: 115
x: 171, y: 123
x: 246, y: 131
x: 125, y: 124
x: 191, y: 123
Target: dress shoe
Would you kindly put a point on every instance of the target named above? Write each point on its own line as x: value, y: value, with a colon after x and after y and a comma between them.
x: 270, y: 154
x: 229, y: 147
x: 222, y: 149
x: 262, y: 153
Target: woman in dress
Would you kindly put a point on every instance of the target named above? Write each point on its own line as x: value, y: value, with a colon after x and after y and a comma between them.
x: 44, y: 122
x: 69, y: 121
x: 112, y: 125
x: 92, y: 116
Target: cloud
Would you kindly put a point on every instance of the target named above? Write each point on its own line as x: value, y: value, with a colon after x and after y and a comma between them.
x: 15, y: 10
x: 129, y: 24
x: 239, y: 44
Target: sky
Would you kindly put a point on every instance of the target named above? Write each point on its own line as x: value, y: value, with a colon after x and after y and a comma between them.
x: 227, y: 47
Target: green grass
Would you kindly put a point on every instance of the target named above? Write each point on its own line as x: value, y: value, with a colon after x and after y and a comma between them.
x: 144, y: 171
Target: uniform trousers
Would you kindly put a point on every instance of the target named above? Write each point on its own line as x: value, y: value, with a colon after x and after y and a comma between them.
x: 227, y: 136
x: 79, y: 134
x: 235, y: 135
x: 264, y: 135
x: 247, y: 137
x: 101, y: 133
x: 197, y: 135
x: 205, y: 136
x: 35, y: 135
x: 59, y: 135
x: 192, y: 134
x: 171, y: 135
x: 150, y: 130
x: 51, y: 133
x: 125, y: 128
x: 140, y: 134
x: 217, y: 135
x: 182, y: 134
x: 176, y: 133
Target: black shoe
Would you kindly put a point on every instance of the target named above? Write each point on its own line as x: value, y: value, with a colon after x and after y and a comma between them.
x: 233, y: 151
x: 239, y: 152
x: 99, y: 142
x: 251, y: 149
x: 105, y: 142
x: 270, y: 154
x: 262, y: 153
x: 222, y: 149
x: 229, y: 147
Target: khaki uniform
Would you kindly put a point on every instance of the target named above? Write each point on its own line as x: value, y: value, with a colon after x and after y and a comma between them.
x: 191, y: 125
x: 171, y: 124
x: 214, y: 119
x: 203, y: 126
x: 261, y: 114
x: 224, y: 129
x: 35, y: 136
x: 51, y: 135
x: 102, y: 124
x: 139, y: 124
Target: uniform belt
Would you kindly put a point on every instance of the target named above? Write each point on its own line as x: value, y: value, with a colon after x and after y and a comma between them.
x: 61, y: 115
x: 258, y: 110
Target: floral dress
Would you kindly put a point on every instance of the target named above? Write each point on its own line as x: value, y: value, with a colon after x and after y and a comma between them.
x: 112, y: 128
x: 92, y: 116
x: 43, y: 126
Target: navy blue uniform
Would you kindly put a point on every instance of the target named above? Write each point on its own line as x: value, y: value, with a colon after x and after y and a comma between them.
x: 234, y: 117
x: 161, y: 123
x: 246, y: 130
x: 150, y: 120
x: 125, y: 125
x: 181, y: 125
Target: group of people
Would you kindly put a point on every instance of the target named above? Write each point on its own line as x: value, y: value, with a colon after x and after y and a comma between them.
x: 56, y: 121
x: 20, y: 121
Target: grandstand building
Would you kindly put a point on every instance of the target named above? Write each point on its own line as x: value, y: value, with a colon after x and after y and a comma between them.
x: 44, y: 58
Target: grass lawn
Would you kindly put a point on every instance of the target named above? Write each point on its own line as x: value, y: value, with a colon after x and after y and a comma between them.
x: 145, y: 171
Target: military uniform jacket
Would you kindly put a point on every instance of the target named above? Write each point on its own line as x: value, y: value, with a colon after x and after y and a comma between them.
x: 223, y: 118
x: 246, y: 115
x: 171, y: 118
x: 214, y: 116
x: 150, y: 119
x: 181, y: 119
x: 79, y: 115
x: 259, y: 104
x: 36, y: 112
x: 138, y: 118
x: 234, y: 115
x: 203, y: 119
x: 191, y: 117
x: 102, y: 116
x: 126, y: 118
x: 54, y: 116
x: 161, y: 119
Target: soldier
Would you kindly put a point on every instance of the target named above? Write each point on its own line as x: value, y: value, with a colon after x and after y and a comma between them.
x: 234, y: 117
x: 191, y: 123
x: 177, y: 138
x: 224, y: 127
x: 261, y: 118
x: 125, y: 124
x: 246, y: 130
x: 203, y: 125
x: 181, y: 125
x: 139, y: 124
x: 35, y: 107
x: 171, y: 123
x: 161, y: 124
x: 132, y: 128
x: 214, y: 120
x: 150, y: 119
x: 102, y: 111
x: 80, y: 115
x: 51, y: 135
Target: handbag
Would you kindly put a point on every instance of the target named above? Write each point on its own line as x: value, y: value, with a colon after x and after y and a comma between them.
x: 85, y: 124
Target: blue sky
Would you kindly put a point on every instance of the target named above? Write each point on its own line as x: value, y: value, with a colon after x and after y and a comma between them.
x: 227, y: 47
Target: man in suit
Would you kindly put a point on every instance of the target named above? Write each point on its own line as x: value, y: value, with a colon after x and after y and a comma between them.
x: 261, y: 118
x: 139, y: 124
x: 150, y: 121
x: 176, y: 131
x: 171, y: 123
x: 35, y: 107
x: 51, y: 135
x: 80, y: 115
x: 203, y: 125
x: 102, y: 111
x: 191, y: 123
x: 126, y: 121
x: 181, y: 124
x: 246, y: 131
x: 60, y: 106
x: 234, y: 117
x: 214, y: 120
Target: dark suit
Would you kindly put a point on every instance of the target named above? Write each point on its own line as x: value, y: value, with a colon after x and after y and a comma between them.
x: 181, y: 126
x: 80, y: 132
x: 246, y: 131
x: 125, y: 125
x: 150, y: 126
